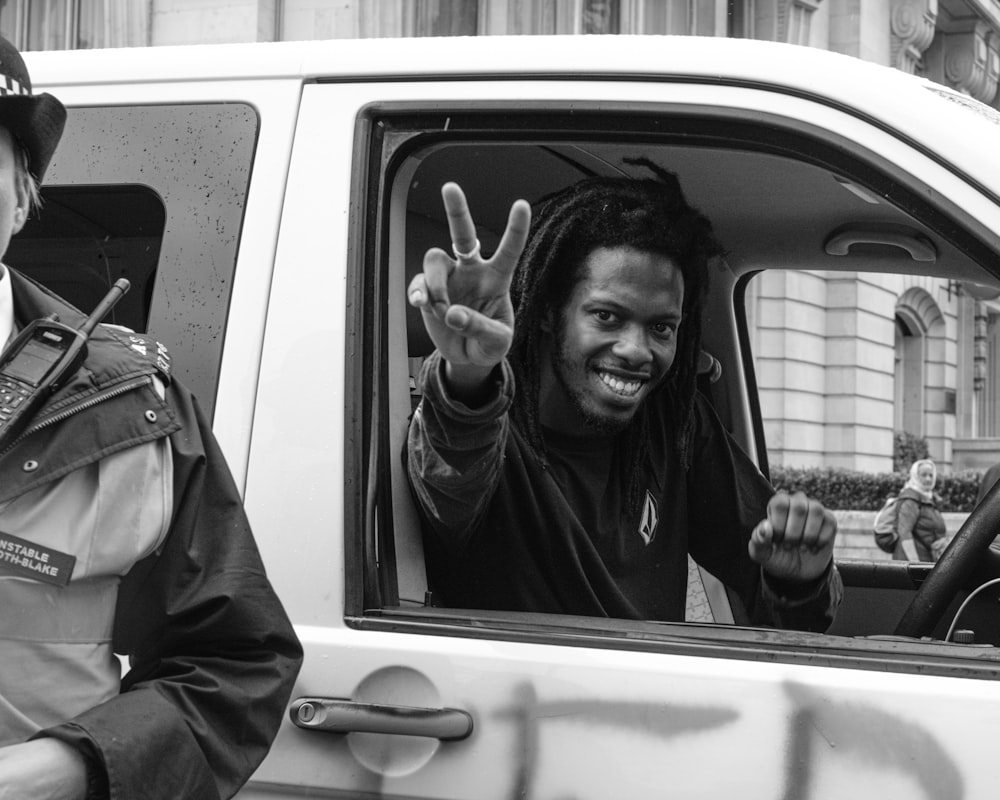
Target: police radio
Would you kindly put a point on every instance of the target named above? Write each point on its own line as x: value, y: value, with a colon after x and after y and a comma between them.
x: 39, y: 359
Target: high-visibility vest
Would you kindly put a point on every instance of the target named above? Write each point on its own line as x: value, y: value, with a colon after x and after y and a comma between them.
x: 55, y: 635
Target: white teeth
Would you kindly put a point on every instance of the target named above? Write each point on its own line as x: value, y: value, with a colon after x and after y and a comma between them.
x: 627, y: 388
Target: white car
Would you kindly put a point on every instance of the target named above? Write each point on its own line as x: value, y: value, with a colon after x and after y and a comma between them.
x: 269, y: 203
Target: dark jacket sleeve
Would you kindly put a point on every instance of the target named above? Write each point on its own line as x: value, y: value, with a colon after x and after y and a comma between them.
x: 728, y: 496
x: 213, y: 655
x: 454, y: 454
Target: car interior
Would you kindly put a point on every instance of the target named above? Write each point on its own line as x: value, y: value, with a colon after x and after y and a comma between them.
x: 781, y: 196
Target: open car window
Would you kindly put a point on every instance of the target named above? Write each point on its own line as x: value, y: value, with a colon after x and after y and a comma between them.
x: 789, y: 203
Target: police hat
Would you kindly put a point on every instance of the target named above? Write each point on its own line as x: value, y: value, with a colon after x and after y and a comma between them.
x: 35, y: 120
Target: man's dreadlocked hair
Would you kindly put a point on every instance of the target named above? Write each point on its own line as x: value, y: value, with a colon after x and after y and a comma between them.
x: 647, y: 214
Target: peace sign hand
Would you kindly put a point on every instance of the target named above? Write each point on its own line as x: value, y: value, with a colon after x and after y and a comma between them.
x: 465, y: 299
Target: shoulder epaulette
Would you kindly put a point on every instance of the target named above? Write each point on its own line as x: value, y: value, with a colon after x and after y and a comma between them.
x: 153, y: 351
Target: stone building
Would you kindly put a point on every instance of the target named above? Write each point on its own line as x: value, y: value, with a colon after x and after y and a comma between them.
x: 843, y: 360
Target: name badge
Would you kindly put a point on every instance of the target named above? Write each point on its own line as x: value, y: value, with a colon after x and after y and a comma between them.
x: 24, y: 559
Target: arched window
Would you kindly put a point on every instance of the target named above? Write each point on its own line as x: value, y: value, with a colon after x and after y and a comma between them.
x: 919, y: 381
x: 908, y: 405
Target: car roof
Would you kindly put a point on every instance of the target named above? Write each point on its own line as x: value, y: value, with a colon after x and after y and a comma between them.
x: 918, y: 110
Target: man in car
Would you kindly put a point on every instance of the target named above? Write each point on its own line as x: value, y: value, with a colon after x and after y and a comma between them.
x: 562, y: 456
x: 121, y: 531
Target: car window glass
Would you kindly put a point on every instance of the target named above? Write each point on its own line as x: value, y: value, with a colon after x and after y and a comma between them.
x: 155, y: 193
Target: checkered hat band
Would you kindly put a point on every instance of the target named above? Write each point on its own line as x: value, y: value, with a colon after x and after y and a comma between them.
x: 11, y: 86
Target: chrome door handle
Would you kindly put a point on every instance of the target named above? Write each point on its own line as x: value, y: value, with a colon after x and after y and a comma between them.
x: 346, y: 716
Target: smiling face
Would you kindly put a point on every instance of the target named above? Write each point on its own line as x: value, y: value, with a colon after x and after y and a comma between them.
x: 613, y: 342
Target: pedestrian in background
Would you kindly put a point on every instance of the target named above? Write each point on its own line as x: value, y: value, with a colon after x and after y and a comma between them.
x: 122, y: 532
x: 918, y: 517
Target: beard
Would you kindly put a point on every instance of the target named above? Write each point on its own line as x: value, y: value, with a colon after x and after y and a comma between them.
x: 595, y: 420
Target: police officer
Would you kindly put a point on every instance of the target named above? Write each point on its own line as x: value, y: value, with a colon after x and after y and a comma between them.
x: 121, y: 531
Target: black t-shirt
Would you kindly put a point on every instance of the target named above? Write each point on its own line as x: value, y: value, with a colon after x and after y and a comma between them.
x: 559, y: 539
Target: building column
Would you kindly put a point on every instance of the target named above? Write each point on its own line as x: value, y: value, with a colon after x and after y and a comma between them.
x: 859, y: 359
x: 268, y: 20
x: 789, y: 361
x: 859, y: 28
x: 213, y: 21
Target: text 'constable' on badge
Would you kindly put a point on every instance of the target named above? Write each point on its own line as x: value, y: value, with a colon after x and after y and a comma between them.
x: 23, y: 559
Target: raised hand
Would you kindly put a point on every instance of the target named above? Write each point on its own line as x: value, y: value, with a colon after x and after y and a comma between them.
x: 465, y: 299
x: 795, y: 541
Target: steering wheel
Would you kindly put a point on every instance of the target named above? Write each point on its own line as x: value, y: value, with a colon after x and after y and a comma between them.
x: 966, y: 551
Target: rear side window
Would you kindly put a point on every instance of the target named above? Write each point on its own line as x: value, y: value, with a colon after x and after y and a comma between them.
x: 155, y: 194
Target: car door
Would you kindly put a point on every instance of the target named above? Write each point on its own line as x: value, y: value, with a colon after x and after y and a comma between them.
x: 400, y: 698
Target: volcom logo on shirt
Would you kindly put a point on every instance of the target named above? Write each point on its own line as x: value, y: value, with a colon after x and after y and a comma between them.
x: 650, y: 519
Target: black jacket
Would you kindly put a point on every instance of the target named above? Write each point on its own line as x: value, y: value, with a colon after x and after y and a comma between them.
x: 502, y: 532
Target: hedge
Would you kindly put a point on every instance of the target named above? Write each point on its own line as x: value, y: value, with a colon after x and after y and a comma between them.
x: 845, y: 489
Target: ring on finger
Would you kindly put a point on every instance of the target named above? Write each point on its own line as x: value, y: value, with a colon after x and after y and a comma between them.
x: 473, y: 253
